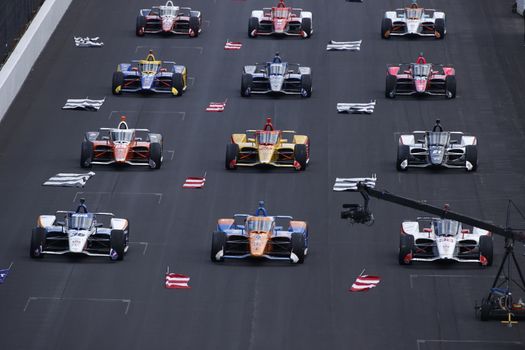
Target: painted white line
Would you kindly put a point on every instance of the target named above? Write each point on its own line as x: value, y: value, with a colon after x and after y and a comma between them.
x: 125, y: 301
x: 191, y: 81
x: 207, y: 22
x: 412, y: 276
x: 145, y: 244
x: 172, y: 153
x: 148, y: 113
x: 200, y: 48
x: 451, y: 341
x: 158, y: 195
x: 148, y: 47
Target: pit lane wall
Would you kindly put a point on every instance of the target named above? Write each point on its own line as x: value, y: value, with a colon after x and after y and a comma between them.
x: 17, y: 68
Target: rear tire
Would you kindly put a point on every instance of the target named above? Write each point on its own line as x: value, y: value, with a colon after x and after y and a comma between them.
x: 38, y: 241
x: 485, y: 307
x: 246, y: 85
x: 390, y: 86
x: 403, y: 152
x: 306, y: 27
x: 232, y: 150
x: 406, y: 246
x: 306, y: 85
x: 155, y: 154
x: 450, y: 86
x: 118, y: 243
x: 253, y: 27
x: 298, y: 246
x: 439, y: 28
x: 140, y: 26
x: 177, y: 82
x: 386, y: 27
x: 301, y: 156
x: 118, y: 81
x: 486, y: 248
x: 471, y: 155
x: 218, y: 243
x: 195, y: 26
x: 86, y: 154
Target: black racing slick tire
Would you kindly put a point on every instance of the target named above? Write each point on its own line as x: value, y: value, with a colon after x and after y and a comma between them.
x: 118, y: 81
x: 118, y: 243
x: 403, y: 152
x: 232, y: 151
x: 246, y: 85
x: 439, y: 28
x: 386, y: 27
x: 486, y: 248
x: 450, y: 86
x: 299, y: 246
x: 86, y: 154
x: 390, y: 86
x: 195, y: 26
x: 406, y: 246
x: 306, y: 27
x: 306, y: 85
x: 140, y: 26
x: 471, y: 155
x: 155, y: 155
x: 253, y: 27
x: 177, y: 83
x: 218, y: 243
x: 301, y: 156
x: 38, y: 241
x: 484, y: 310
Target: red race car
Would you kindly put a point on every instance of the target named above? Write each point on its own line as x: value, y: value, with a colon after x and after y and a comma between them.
x: 169, y: 19
x: 420, y: 78
x: 280, y: 20
x: 121, y: 145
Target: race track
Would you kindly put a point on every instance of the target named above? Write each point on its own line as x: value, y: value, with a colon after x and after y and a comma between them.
x: 90, y: 303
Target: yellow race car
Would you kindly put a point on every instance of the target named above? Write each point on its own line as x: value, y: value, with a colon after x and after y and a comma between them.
x: 268, y: 147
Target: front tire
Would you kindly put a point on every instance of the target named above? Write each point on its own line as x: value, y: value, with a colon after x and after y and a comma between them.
x: 118, y: 244
x: 155, y: 155
x: 450, y: 86
x: 246, y: 85
x: 86, y: 154
x: 177, y: 83
x: 195, y: 26
x: 298, y: 246
x: 253, y: 27
x: 306, y: 27
x: 306, y: 85
x: 218, y: 243
x: 471, y: 155
x: 403, y: 152
x: 140, y: 26
x: 486, y: 248
x: 390, y: 86
x: 301, y: 156
x: 406, y: 246
x: 38, y: 241
x: 118, y: 81
x: 232, y: 151
x: 386, y: 27
x: 439, y: 28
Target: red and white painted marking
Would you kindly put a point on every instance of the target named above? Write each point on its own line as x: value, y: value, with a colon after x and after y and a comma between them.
x: 364, y: 283
x: 231, y: 45
x: 194, y: 182
x: 216, y: 107
x: 177, y: 281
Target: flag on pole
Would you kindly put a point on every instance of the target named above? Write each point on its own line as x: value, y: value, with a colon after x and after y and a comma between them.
x: 177, y: 281
x: 364, y: 283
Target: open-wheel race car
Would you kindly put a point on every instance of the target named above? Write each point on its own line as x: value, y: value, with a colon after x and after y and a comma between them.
x: 280, y: 20
x: 414, y: 21
x: 79, y: 232
x: 432, y: 239
x: 260, y: 236
x: 169, y: 19
x: 121, y: 145
x: 150, y: 75
x: 420, y: 78
x: 276, y: 77
x: 437, y: 148
x: 268, y: 147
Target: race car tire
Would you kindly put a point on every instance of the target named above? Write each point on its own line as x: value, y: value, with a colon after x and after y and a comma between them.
x: 439, y: 28
x: 118, y: 243
x: 390, y: 86
x: 386, y: 27
x: 218, y: 243
x: 450, y: 86
x: 246, y: 85
x: 406, y: 246
x: 195, y: 26
x: 253, y: 27
x: 306, y: 85
x: 484, y: 310
x: 514, y: 8
x: 155, y: 154
x: 486, y: 248
x: 306, y: 27
x: 141, y: 24
x: 471, y: 155
x: 301, y: 155
x: 232, y: 151
x: 177, y: 82
x: 298, y: 246
x: 86, y: 154
x: 118, y: 81
x: 403, y: 152
x: 38, y: 240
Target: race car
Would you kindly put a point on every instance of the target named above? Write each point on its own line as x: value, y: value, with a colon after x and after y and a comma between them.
x: 280, y: 20
x: 276, y: 77
x: 260, y: 236
x: 432, y: 239
x: 150, y: 75
x: 80, y: 232
x: 169, y: 19
x: 413, y: 21
x: 121, y: 145
x: 268, y: 147
x: 447, y: 149
x: 420, y: 78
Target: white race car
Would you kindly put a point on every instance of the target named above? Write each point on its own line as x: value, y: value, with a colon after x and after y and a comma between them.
x: 431, y: 239
x: 414, y: 21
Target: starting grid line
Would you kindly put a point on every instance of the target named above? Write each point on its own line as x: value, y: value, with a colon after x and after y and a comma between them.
x: 125, y: 301
x: 120, y: 113
x: 412, y: 276
x: 158, y: 195
x: 421, y: 342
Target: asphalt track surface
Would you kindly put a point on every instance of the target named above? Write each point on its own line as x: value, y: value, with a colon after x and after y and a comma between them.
x: 90, y: 303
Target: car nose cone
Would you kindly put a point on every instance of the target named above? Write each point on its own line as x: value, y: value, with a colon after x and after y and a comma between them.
x: 276, y: 83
